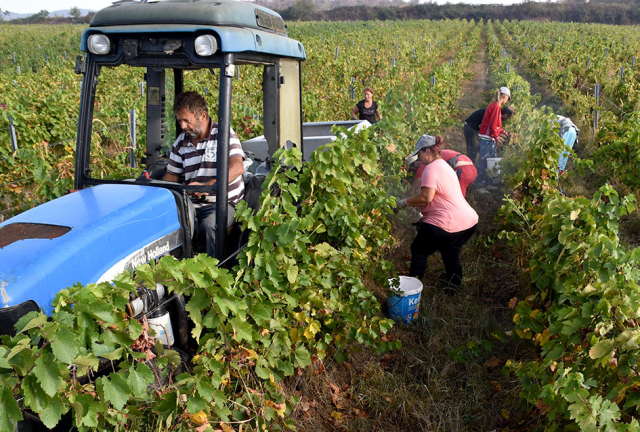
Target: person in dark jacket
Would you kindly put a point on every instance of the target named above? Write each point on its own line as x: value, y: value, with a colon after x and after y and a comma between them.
x: 472, y: 127
x: 367, y: 109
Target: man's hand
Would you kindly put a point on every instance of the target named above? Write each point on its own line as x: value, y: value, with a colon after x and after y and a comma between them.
x: 200, y: 194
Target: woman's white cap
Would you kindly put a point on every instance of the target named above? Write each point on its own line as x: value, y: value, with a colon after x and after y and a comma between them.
x: 505, y: 90
x: 424, y: 141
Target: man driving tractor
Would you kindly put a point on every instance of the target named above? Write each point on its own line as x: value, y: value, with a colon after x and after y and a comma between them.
x: 193, y: 157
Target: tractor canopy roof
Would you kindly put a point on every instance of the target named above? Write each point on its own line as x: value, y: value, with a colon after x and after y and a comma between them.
x: 240, y: 26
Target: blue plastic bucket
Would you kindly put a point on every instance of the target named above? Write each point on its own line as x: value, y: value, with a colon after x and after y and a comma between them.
x: 403, y: 308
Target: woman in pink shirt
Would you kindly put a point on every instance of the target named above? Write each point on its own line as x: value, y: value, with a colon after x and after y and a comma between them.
x: 448, y: 221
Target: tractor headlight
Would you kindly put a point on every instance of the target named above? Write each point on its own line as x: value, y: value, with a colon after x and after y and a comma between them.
x: 99, y: 44
x: 206, y: 45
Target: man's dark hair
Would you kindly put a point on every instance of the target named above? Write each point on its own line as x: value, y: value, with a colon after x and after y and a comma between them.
x: 507, y: 111
x: 192, y: 102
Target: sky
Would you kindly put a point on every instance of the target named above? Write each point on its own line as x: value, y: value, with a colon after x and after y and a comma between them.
x: 33, y: 6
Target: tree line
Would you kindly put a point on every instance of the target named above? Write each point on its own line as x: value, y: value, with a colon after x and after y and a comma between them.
x: 43, y: 17
x: 596, y: 11
x: 573, y: 11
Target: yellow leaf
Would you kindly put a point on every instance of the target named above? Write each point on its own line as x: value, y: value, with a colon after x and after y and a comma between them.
x: 250, y: 354
x: 336, y: 415
x: 534, y: 313
x: 279, y: 408
x: 294, y: 335
x: 198, y: 418
x: 505, y: 413
x: 542, y: 338
x: 226, y: 428
x: 311, y: 330
x: 516, y: 318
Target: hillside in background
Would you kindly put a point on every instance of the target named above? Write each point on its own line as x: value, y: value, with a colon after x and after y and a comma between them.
x: 59, y: 13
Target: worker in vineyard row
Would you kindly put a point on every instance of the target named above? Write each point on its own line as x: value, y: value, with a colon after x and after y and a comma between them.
x: 491, y: 132
x: 367, y: 109
x: 472, y: 128
x: 569, y: 133
x: 463, y: 167
x: 448, y: 221
x: 193, y: 155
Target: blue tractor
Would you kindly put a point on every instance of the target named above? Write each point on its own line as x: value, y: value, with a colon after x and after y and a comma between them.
x: 111, y: 225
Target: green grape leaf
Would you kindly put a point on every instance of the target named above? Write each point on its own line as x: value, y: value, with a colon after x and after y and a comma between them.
x: 140, y: 378
x: 601, y: 349
x: 4, y: 363
x: 54, y: 411
x: 242, y: 329
x: 302, y: 356
x: 86, y: 410
x: 66, y: 345
x: 10, y: 413
x: 262, y: 369
x: 38, y: 321
x: 205, y: 389
x: 115, y: 390
x: 196, y: 404
x: 167, y: 405
x: 89, y: 360
x: 261, y: 313
x: 34, y: 397
x: 47, y: 371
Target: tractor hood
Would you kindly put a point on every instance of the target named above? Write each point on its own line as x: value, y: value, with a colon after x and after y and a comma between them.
x: 87, y: 237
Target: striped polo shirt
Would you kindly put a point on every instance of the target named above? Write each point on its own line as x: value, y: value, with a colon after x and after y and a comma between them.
x: 198, y: 163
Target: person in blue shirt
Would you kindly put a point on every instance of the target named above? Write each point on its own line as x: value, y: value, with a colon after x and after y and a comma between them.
x: 569, y: 133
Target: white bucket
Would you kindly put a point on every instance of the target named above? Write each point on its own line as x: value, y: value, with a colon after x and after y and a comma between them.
x: 493, y: 163
x: 403, y: 307
x: 162, y: 326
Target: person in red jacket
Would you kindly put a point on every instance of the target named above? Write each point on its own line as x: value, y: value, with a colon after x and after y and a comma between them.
x: 491, y: 132
x: 461, y: 164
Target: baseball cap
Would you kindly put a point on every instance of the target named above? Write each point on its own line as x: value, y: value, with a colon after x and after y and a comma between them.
x: 423, y: 142
x: 505, y: 90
